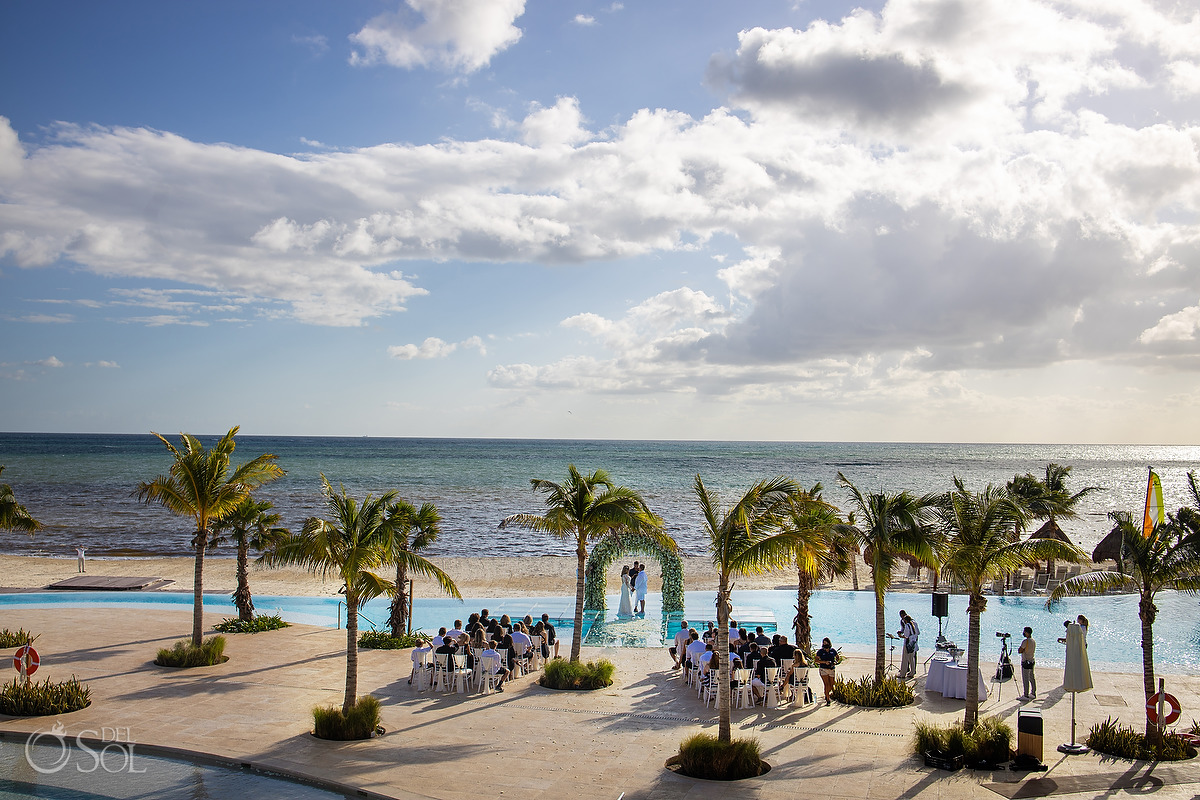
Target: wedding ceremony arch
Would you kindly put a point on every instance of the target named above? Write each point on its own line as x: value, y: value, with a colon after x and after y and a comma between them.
x: 612, y: 547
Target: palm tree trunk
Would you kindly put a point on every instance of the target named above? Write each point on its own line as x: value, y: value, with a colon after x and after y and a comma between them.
x: 1147, y: 612
x: 577, y: 634
x: 198, y: 587
x: 803, y: 623
x: 880, y: 626
x: 398, y: 619
x: 854, y: 569
x: 723, y: 661
x: 974, y: 609
x: 241, y: 596
x: 351, y: 653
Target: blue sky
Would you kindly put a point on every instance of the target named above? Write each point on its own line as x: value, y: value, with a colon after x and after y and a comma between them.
x: 909, y: 220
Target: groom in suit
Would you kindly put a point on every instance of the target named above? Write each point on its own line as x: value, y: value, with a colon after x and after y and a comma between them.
x: 641, y: 584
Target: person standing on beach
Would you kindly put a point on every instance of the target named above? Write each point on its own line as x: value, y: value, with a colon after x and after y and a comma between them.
x: 79, y: 551
x: 642, y: 583
x: 1028, y: 681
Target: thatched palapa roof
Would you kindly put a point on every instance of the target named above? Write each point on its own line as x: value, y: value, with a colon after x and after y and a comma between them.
x: 1109, y: 548
x: 1051, y: 531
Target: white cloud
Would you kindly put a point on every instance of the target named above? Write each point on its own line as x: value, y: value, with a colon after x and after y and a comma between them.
x: 434, y: 347
x: 48, y: 318
x: 584, y: 20
x: 561, y: 124
x: 108, y: 365
x: 455, y: 35
x: 1178, y: 327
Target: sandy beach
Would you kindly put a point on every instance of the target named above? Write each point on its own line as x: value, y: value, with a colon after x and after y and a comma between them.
x: 476, y: 577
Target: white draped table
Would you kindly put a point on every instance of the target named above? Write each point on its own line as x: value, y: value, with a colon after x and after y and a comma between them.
x: 950, y: 679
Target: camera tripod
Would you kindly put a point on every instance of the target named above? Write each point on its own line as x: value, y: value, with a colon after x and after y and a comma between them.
x: 1004, y: 668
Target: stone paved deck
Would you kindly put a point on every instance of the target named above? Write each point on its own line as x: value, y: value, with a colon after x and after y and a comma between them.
x: 534, y: 743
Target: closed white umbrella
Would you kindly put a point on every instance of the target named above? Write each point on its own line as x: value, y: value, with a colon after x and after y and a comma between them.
x: 1077, y: 677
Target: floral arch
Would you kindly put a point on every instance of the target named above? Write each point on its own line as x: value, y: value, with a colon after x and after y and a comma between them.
x: 611, y: 547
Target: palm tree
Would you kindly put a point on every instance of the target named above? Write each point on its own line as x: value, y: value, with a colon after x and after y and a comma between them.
x: 13, y: 515
x: 744, y: 539
x: 422, y: 525
x: 584, y: 509
x: 198, y: 484
x: 891, y: 525
x: 1048, y: 497
x: 351, y: 546
x: 980, y: 545
x: 821, y: 550
x: 251, y: 526
x: 1169, y: 558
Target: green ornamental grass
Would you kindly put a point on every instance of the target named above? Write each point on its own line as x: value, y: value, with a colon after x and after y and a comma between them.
x: 15, y: 638
x: 1112, y: 738
x: 988, y: 743
x: 888, y: 693
x: 382, y: 640
x: 361, y: 723
x: 703, y: 755
x: 183, y: 654
x: 45, y: 698
x: 258, y: 624
x: 562, y: 674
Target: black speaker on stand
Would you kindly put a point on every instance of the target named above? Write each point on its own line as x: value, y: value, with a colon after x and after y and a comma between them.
x: 941, y: 609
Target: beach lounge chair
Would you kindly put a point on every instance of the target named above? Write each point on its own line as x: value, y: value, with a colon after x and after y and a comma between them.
x: 1027, y: 586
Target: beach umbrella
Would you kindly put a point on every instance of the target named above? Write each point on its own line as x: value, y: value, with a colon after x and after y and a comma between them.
x: 1051, y: 531
x: 1111, y: 548
x: 1077, y: 677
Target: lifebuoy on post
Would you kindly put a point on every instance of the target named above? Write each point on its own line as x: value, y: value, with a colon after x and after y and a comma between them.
x: 26, y: 660
x: 1170, y: 707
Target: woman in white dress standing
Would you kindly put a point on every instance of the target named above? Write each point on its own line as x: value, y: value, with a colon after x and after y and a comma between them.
x: 626, y: 607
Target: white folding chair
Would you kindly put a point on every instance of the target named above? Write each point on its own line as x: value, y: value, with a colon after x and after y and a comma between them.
x: 535, y: 657
x: 423, y: 670
x: 460, y: 675
x: 799, y: 685
x: 744, y: 695
x: 441, y: 672
x: 489, y: 678
x: 772, y: 698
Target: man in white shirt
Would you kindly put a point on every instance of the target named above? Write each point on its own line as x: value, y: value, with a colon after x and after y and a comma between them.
x: 521, y: 641
x: 641, y: 585
x: 418, y: 656
x: 682, y: 637
x: 457, y: 632
x: 694, y: 650
x: 492, y: 653
x: 437, y: 640
x: 908, y: 633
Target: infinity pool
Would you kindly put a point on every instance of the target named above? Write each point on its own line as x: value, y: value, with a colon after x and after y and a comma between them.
x: 848, y: 618
x: 54, y: 767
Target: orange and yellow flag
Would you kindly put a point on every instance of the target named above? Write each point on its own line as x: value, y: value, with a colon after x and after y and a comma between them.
x: 1155, y: 514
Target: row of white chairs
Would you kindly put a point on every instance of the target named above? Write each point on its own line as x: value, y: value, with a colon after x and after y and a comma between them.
x: 443, y: 672
x: 777, y: 694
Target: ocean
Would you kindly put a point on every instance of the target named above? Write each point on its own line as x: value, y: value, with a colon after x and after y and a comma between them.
x: 82, y: 486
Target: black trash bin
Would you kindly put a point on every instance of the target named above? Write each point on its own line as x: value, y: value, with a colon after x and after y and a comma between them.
x: 1029, y: 733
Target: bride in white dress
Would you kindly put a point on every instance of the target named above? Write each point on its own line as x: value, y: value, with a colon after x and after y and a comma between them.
x: 626, y: 607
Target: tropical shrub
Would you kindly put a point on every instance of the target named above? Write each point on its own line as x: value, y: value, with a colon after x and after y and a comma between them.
x: 18, y: 699
x: 362, y: 721
x: 866, y: 691
x: 989, y: 742
x: 258, y: 624
x: 563, y: 674
x: 15, y: 638
x: 1122, y: 741
x: 185, y: 654
x: 382, y: 640
x: 703, y: 755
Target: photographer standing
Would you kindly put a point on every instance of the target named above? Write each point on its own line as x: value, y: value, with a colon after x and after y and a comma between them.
x: 1028, y: 681
x: 909, y: 633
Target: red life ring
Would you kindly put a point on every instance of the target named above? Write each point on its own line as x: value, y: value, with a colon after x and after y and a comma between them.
x: 29, y: 657
x: 1170, y: 705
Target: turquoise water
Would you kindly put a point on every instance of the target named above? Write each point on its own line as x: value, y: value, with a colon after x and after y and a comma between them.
x: 54, y: 767
x: 82, y: 485
x: 848, y: 618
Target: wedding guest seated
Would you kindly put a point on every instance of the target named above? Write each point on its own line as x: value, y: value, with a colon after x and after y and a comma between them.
x: 551, y: 634
x: 710, y: 633
x: 761, y: 637
x: 521, y: 641
x: 447, y: 647
x: 705, y: 661
x: 495, y: 630
x: 507, y: 645
x: 493, y: 653
x: 437, y: 640
x: 472, y: 623
x: 484, y: 619
x: 694, y: 649
x: 758, y: 684
x: 752, y: 655
x: 682, y: 637
x: 457, y: 631
x: 505, y: 623
x: 782, y: 652
x: 528, y: 623
x: 464, y: 648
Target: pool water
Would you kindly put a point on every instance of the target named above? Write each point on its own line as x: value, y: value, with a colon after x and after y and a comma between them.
x: 847, y: 618
x: 54, y: 767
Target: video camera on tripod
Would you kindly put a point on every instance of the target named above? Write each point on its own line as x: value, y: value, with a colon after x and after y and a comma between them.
x: 1004, y: 667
